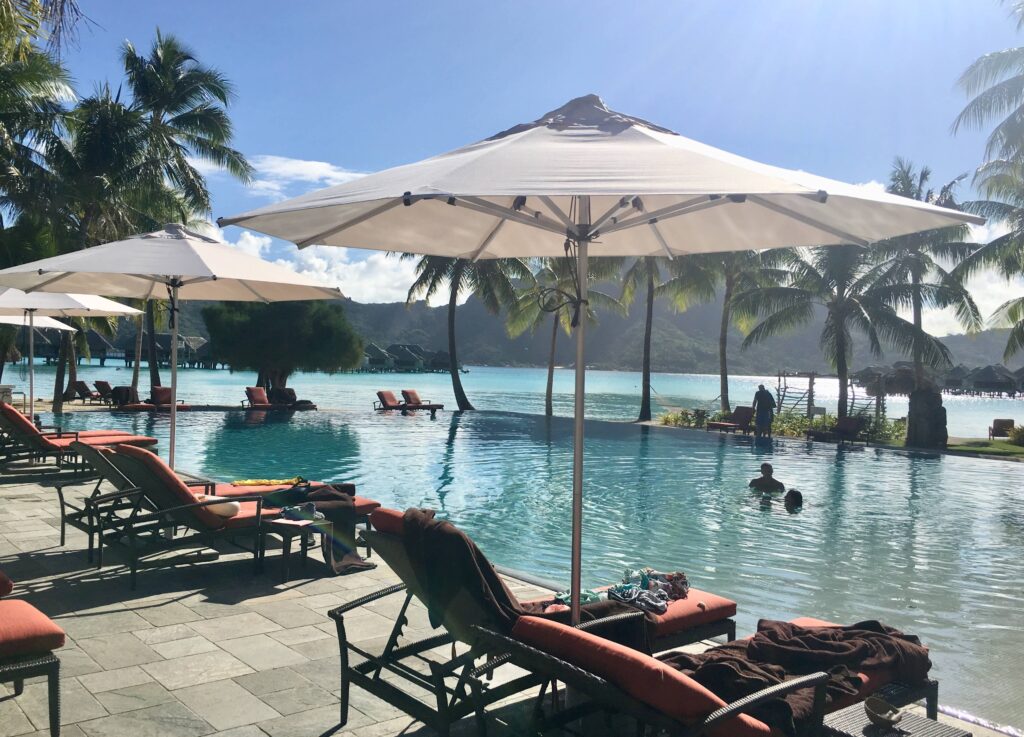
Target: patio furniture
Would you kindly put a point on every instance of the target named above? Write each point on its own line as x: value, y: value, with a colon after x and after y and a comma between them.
x: 27, y: 641
x: 289, y: 529
x: 1000, y: 429
x: 387, y: 402
x: 26, y: 441
x: 846, y: 430
x: 173, y: 505
x: 853, y: 722
x: 86, y: 394
x: 106, y: 391
x: 413, y: 402
x: 286, y: 395
x: 256, y: 399
x: 739, y: 421
x: 616, y: 680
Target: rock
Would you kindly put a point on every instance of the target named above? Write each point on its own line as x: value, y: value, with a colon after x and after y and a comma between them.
x: 926, y: 420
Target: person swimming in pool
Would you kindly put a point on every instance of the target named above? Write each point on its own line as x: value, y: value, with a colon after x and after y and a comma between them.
x: 766, y: 482
x: 793, y: 500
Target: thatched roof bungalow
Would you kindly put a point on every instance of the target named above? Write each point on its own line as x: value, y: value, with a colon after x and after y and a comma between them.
x: 993, y: 378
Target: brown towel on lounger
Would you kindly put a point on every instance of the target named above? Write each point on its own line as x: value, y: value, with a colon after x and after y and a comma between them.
x: 781, y: 651
x: 446, y: 561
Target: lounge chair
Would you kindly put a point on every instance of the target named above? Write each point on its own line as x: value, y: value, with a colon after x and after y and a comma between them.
x: 1000, y: 429
x: 27, y: 641
x: 846, y: 430
x: 256, y: 399
x: 86, y: 394
x: 106, y: 391
x: 698, y: 617
x: 159, y: 401
x: 413, y: 402
x: 26, y: 441
x: 387, y: 402
x: 287, y: 395
x: 614, y: 679
x: 739, y: 421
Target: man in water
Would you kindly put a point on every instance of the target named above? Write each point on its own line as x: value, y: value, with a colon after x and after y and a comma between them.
x: 793, y: 500
x: 764, y: 412
x: 766, y: 482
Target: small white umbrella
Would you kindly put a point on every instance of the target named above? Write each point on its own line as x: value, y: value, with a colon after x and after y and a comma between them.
x: 585, y: 179
x: 38, y: 323
x: 15, y: 302
x: 173, y: 261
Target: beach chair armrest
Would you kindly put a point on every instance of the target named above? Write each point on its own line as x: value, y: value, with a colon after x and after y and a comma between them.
x: 816, y: 681
x: 338, y: 612
x: 625, y: 616
x: 114, y: 496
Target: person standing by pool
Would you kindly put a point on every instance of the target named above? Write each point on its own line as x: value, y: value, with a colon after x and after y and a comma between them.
x: 764, y: 411
x: 766, y: 482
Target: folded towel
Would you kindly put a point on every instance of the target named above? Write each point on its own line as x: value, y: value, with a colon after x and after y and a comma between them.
x: 268, y: 482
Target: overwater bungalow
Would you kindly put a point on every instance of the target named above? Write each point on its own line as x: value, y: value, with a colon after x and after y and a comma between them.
x: 993, y: 379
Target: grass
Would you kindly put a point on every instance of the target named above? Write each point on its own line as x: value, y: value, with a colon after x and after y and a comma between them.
x: 976, y: 446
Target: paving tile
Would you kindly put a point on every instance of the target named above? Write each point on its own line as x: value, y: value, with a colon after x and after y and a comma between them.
x: 164, y: 720
x: 301, y: 698
x: 134, y: 697
x: 237, y: 625
x: 271, y: 681
x: 287, y: 613
x: 118, y: 651
x: 110, y: 680
x: 76, y: 704
x: 226, y: 705
x: 70, y: 730
x: 250, y: 730
x: 306, y: 633
x: 81, y: 626
x: 317, y: 649
x: 325, y: 673
x: 312, y: 723
x: 262, y: 653
x: 187, y: 646
x: 76, y: 662
x: 13, y: 720
x: 165, y: 634
x: 167, y: 614
x: 192, y: 670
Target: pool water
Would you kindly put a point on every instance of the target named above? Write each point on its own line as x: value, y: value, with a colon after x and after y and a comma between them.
x: 928, y: 544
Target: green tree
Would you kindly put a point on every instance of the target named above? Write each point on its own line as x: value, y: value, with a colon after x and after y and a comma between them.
x: 184, y: 105
x: 920, y: 258
x: 280, y: 338
x: 660, y: 277
x: 546, y: 298
x: 843, y: 282
x: 490, y: 280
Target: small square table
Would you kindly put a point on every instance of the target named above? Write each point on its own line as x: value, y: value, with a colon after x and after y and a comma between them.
x: 288, y: 529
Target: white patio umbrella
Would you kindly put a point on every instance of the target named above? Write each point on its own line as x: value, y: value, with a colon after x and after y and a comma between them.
x: 585, y: 180
x: 173, y: 261
x: 14, y: 302
x: 38, y: 323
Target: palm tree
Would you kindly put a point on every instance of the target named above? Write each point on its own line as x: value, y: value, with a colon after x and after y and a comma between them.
x: 557, y: 277
x: 841, y: 280
x: 184, y: 104
x: 919, y: 258
x: 491, y: 280
x: 681, y: 287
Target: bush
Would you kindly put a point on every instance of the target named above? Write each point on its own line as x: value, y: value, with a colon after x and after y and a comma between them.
x: 1016, y: 435
x: 682, y: 418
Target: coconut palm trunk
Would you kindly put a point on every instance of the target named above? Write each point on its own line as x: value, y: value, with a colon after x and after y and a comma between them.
x: 723, y: 346
x: 645, y: 389
x: 151, y: 351
x: 453, y: 364
x: 69, y: 389
x: 138, y: 352
x: 58, y: 380
x: 918, y: 360
x: 548, y: 402
x: 843, y: 372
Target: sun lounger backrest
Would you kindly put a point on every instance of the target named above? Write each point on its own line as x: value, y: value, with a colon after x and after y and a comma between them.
x: 256, y: 395
x: 162, y: 486
x: 1001, y: 428
x: 104, y: 388
x: 82, y: 389
x: 160, y: 395
x: 411, y: 396
x: 388, y: 399
x: 22, y: 429
x: 742, y: 415
x: 100, y: 460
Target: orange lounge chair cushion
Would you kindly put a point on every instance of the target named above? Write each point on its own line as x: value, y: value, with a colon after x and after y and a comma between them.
x: 161, y: 394
x: 412, y: 396
x: 644, y: 678
x: 24, y: 630
x: 257, y: 395
x: 6, y: 584
x: 102, y: 440
x: 388, y: 400
x: 362, y: 504
x: 175, y: 485
x: 682, y: 614
x: 137, y: 407
x: 388, y: 521
x: 246, y: 516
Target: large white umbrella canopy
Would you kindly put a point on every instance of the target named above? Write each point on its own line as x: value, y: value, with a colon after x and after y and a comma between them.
x: 173, y: 263
x: 36, y: 306
x: 585, y: 180
x: 39, y: 323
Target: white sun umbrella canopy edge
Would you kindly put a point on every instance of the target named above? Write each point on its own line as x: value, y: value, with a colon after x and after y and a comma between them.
x: 603, y: 183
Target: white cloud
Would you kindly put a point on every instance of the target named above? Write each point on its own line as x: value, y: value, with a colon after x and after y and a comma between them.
x: 278, y: 177
x: 874, y: 185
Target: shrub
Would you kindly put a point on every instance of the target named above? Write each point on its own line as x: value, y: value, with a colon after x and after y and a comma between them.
x: 1016, y: 435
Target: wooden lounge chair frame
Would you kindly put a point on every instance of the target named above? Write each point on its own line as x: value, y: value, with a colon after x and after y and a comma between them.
x: 87, y: 395
x: 740, y: 423
x: 105, y: 390
x: 850, y: 429
x: 606, y: 697
x: 1000, y: 429
x: 268, y: 406
x: 413, y: 402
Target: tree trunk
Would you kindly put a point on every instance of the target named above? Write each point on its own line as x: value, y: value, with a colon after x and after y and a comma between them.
x: 138, y: 352
x: 58, y: 380
x: 548, y: 406
x: 453, y: 365
x: 842, y: 371
x: 918, y: 329
x: 723, y: 345
x: 69, y: 390
x: 152, y: 355
x: 645, y: 389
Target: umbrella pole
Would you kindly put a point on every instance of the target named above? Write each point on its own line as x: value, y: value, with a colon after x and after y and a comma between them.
x: 174, y: 372
x: 582, y: 267
x: 31, y: 369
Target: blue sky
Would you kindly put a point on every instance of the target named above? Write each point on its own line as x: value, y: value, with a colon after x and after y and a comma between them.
x: 328, y: 89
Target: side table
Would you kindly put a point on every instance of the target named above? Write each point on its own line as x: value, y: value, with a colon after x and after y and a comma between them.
x: 853, y: 722
x: 287, y: 530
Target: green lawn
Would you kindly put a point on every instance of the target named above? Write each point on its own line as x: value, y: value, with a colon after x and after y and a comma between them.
x: 987, y: 447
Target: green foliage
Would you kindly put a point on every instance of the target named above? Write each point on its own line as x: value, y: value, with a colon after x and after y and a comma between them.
x: 1016, y: 435
x: 280, y: 338
x: 682, y: 418
x: 796, y: 425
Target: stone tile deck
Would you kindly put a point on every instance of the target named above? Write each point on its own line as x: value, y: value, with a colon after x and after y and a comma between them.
x: 202, y: 649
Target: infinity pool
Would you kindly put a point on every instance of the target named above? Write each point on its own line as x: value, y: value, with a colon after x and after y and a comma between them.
x: 929, y: 544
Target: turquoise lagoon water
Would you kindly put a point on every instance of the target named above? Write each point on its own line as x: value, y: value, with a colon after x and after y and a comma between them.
x: 929, y: 544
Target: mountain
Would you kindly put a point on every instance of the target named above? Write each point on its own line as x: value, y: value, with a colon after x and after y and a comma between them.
x: 682, y: 343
